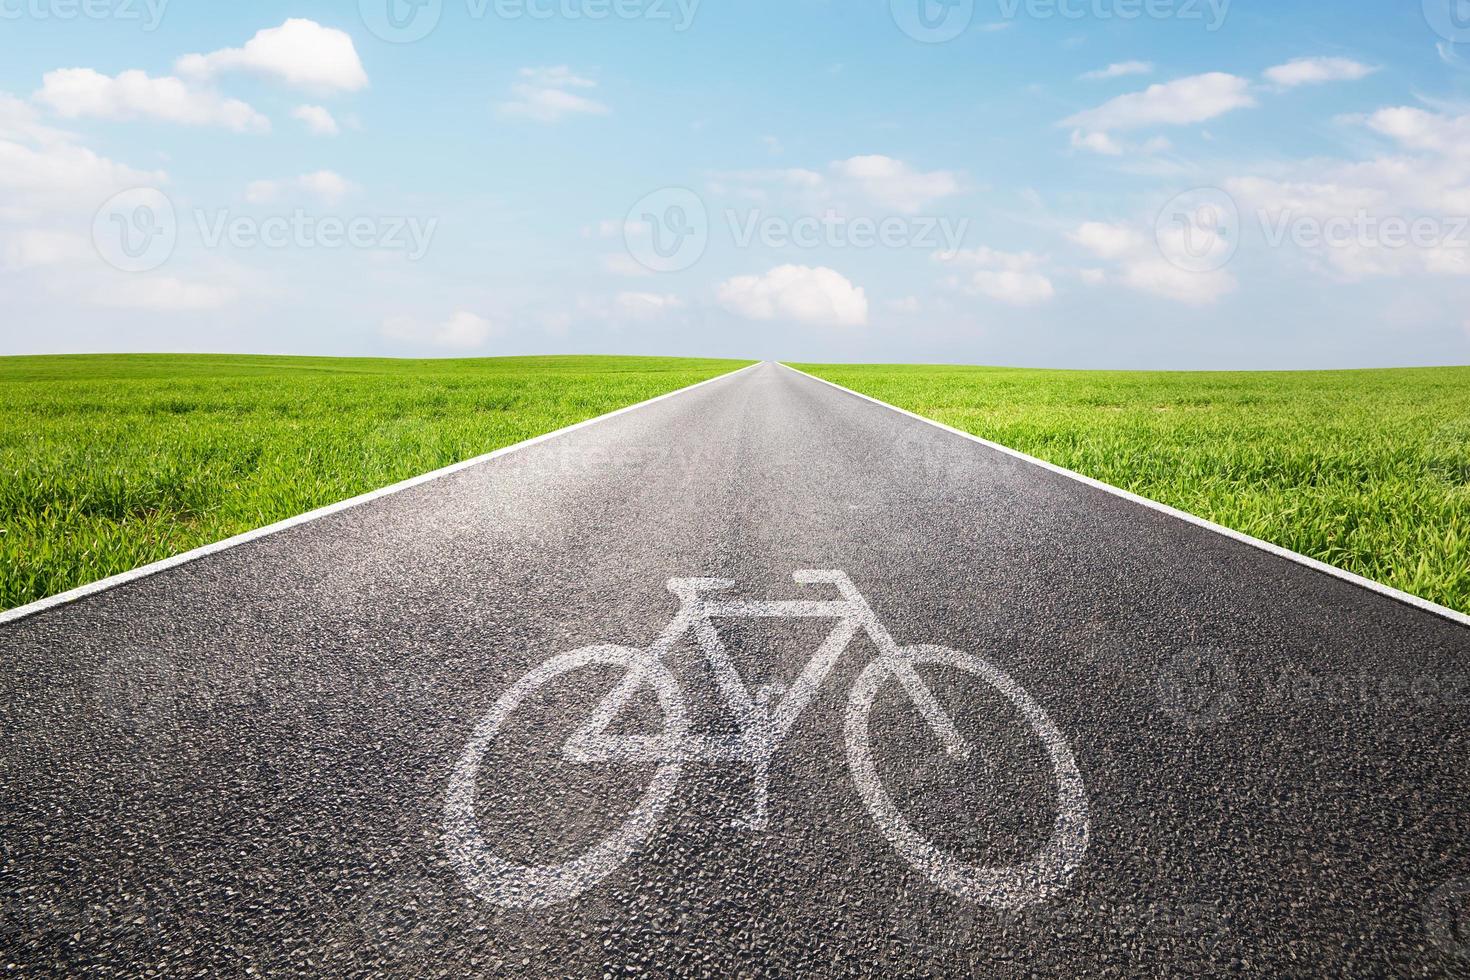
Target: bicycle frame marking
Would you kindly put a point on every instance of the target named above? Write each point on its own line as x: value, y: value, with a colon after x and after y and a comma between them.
x: 764, y: 720
x: 763, y: 726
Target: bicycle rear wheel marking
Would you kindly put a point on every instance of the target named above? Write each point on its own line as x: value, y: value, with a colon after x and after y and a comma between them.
x: 1053, y: 866
x: 764, y: 728
x: 506, y: 883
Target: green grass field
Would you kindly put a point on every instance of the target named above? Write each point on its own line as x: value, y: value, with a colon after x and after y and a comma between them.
x: 110, y: 462
x: 1365, y: 470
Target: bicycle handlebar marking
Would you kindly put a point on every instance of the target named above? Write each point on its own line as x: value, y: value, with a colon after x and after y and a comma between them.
x: 763, y: 727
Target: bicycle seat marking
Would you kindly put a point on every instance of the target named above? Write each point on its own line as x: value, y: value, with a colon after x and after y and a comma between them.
x: 764, y: 719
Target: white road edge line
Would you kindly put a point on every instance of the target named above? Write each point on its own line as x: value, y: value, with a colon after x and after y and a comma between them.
x: 144, y: 571
x: 1280, y: 552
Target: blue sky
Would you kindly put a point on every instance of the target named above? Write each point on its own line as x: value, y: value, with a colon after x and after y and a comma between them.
x: 1084, y: 183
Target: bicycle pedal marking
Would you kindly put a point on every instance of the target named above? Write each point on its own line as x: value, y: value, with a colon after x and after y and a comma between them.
x: 765, y: 718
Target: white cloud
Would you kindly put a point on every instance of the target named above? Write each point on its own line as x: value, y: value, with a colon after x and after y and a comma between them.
x: 462, y: 331
x: 606, y: 228
x: 75, y: 93
x: 46, y: 178
x: 1008, y: 277
x: 1097, y: 143
x: 1356, y: 211
x: 326, y: 185
x: 623, y: 264
x: 19, y: 121
x: 1315, y: 71
x: 1144, y: 263
x: 317, y: 119
x: 1177, y: 103
x: 803, y: 294
x: 1417, y: 129
x: 263, y: 191
x: 1159, y: 276
x: 906, y: 304
x: 547, y: 95
x: 757, y: 185
x: 32, y: 248
x: 646, y: 306
x: 1120, y: 69
x: 162, y: 294
x: 894, y: 184
x: 301, y: 53
x: 44, y: 171
x: 1106, y: 144
x: 869, y: 181
x: 1108, y: 241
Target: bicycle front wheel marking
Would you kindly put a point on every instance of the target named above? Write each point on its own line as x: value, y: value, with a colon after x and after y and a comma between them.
x: 536, y: 886
x: 1051, y: 868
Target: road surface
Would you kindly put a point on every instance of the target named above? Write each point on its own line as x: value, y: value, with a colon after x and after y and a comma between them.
x: 245, y: 762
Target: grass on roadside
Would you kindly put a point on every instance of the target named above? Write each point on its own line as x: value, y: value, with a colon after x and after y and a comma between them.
x: 1365, y: 470
x: 108, y: 462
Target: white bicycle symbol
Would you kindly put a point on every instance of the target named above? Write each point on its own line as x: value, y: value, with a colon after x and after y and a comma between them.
x: 763, y: 726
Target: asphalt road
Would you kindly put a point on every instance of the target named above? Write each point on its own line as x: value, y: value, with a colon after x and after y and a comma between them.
x: 245, y: 763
